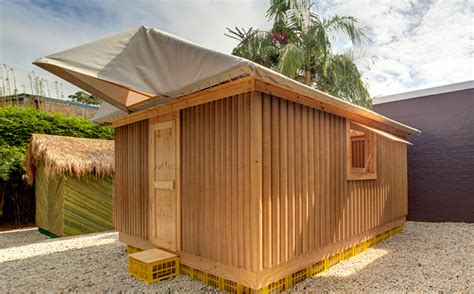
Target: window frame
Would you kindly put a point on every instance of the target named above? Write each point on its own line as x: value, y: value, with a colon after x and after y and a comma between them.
x: 369, y: 171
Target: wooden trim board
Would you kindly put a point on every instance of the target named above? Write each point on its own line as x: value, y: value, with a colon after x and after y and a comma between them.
x: 369, y: 172
x: 342, y: 111
x: 135, y: 242
x: 225, y: 90
x: 231, y: 273
x: 247, y: 84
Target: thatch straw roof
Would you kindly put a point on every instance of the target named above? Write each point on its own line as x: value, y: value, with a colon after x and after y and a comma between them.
x: 71, y: 156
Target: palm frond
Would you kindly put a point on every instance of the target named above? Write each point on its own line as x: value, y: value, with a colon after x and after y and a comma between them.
x: 344, y: 80
x: 278, y: 9
x: 258, y: 47
x: 240, y: 34
x: 351, y: 26
x: 291, y: 60
x: 299, y: 46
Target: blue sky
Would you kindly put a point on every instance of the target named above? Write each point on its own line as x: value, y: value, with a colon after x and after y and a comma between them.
x: 417, y: 43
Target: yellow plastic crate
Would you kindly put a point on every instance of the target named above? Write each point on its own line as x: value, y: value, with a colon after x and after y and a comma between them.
x: 131, y: 249
x: 335, y: 259
x: 316, y: 268
x: 275, y: 287
x: 348, y: 253
x: 370, y: 242
x: 246, y: 290
x: 153, y: 265
x: 396, y: 231
x: 185, y: 270
x: 199, y: 275
x: 360, y: 247
x: 378, y: 239
x: 383, y: 237
x: 298, y: 277
x: 213, y: 281
x: 230, y: 287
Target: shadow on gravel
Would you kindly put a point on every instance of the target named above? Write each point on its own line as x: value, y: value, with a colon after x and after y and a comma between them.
x: 20, y: 237
x: 11, y: 239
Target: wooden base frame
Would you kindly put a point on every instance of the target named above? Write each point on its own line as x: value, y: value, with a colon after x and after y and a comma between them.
x: 277, y: 280
x: 267, y: 277
x: 282, y: 276
x: 135, y: 242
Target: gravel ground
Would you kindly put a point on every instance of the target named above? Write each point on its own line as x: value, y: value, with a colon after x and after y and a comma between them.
x: 425, y: 257
x: 16, y: 238
x: 87, y: 263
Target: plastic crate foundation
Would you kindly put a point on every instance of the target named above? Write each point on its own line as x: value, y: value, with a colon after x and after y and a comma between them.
x: 156, y: 271
x: 348, y: 253
x: 317, y: 268
x: 153, y: 268
x: 290, y: 280
x: 131, y: 249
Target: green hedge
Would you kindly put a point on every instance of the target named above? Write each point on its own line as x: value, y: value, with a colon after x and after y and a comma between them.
x: 16, y: 127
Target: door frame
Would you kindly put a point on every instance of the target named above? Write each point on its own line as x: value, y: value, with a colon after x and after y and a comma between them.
x: 151, y: 177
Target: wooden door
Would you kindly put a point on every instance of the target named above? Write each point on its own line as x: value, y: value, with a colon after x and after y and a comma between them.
x: 164, y: 176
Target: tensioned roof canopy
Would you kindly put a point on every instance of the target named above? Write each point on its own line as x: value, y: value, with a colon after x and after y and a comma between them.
x: 145, y: 64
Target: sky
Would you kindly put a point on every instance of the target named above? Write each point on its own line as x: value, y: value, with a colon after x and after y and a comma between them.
x: 416, y: 43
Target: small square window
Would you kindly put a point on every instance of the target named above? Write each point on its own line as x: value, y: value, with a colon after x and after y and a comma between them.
x: 361, y: 153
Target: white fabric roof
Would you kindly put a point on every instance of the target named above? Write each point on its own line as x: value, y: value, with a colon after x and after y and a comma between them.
x: 107, y: 112
x: 146, y: 61
x: 134, y: 66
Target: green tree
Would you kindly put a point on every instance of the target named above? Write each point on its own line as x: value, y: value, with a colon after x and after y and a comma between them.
x: 85, y: 98
x: 299, y: 45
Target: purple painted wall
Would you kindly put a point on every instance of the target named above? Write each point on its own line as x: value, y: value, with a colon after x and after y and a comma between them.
x: 441, y: 162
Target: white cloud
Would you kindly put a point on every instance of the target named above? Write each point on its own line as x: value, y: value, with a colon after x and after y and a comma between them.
x: 417, y: 43
x: 31, y: 29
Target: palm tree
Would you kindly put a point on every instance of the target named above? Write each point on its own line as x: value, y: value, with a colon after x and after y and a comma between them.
x: 299, y: 46
x: 342, y: 79
x: 254, y: 45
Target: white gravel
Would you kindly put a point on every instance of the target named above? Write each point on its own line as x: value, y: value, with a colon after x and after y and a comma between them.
x: 87, y: 263
x: 18, y: 237
x: 425, y: 257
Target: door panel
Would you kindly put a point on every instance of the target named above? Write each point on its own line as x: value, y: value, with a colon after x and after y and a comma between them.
x: 164, y: 174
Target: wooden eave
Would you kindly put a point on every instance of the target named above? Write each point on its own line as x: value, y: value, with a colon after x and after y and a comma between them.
x: 319, y: 101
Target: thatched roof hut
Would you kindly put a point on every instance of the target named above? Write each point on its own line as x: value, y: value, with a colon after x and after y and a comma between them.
x: 68, y: 155
x: 73, y: 183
